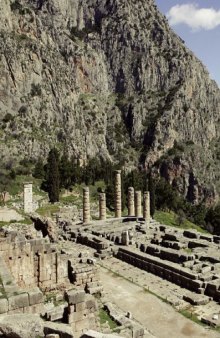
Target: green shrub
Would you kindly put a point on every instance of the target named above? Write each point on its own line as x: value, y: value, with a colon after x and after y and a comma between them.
x: 36, y: 89
x: 16, y: 6
x: 7, y: 118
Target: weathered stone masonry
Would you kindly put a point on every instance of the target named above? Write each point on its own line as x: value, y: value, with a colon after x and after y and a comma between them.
x: 86, y: 205
x: 138, y: 206
x: 146, y: 209
x: 102, y: 206
x: 131, y: 211
x: 28, y: 199
x: 118, y: 193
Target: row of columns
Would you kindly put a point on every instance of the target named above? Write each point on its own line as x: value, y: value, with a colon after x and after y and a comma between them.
x: 134, y: 202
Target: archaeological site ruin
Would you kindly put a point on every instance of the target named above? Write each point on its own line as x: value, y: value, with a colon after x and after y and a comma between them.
x: 51, y: 271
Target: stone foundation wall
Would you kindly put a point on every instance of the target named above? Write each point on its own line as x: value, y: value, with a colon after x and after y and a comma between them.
x: 81, y: 312
x: 34, y: 263
x: 162, y: 269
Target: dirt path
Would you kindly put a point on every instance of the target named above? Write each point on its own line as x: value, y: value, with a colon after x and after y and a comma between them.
x: 158, y: 317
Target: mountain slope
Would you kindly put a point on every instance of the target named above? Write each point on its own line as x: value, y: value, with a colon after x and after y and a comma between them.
x: 110, y: 79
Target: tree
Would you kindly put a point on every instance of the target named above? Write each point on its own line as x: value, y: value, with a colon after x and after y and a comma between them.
x: 65, y: 169
x: 53, y: 179
x: 4, y: 183
x: 213, y: 218
x: 151, y: 188
x: 110, y: 197
x: 180, y: 217
x: 166, y: 196
x: 39, y: 171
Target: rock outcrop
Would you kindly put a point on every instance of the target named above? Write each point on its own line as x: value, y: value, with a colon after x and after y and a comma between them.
x: 46, y: 226
x: 107, y: 78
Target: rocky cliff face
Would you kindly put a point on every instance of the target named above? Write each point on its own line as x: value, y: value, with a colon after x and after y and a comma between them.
x: 110, y: 79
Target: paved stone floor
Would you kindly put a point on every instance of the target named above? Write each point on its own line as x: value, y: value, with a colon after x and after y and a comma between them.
x: 7, y: 215
x: 161, y: 319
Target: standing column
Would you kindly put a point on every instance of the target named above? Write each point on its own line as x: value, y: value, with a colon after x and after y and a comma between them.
x: 147, y: 207
x: 86, y: 205
x: 131, y: 201
x: 138, y: 212
x: 118, y: 194
x: 102, y: 206
x: 28, y: 198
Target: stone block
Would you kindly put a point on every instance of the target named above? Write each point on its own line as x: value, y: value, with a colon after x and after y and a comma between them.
x: 80, y: 306
x: 91, y: 303
x: 37, y: 308
x: 35, y: 296
x: 82, y: 325
x: 190, y: 234
x: 56, y: 313
x: 95, y: 290
x: 137, y: 331
x: 72, y: 308
x: 76, y: 316
x: 3, y: 305
x: 17, y: 311
x: 63, y: 330
x: 95, y: 334
x: 206, y: 269
x: 75, y: 297
x: 18, y: 301
x: 196, y: 299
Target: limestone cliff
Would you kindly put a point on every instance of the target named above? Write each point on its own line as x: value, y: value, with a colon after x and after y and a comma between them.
x: 107, y: 78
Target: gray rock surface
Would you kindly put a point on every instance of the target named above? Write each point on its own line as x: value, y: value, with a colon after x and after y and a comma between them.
x: 21, y: 326
x: 46, y: 226
x: 107, y: 79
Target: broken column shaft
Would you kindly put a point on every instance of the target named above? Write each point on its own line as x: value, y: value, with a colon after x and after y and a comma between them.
x: 146, y: 211
x: 86, y: 205
x: 118, y: 194
x: 28, y: 202
x: 102, y: 206
x: 131, y: 201
x: 138, y: 211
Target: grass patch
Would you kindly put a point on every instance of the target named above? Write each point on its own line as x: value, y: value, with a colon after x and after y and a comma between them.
x: 24, y: 221
x: 50, y: 297
x: 104, y: 317
x: 76, y: 197
x: 188, y: 250
x: 169, y: 218
x: 16, y: 186
x: 190, y: 315
x: 2, y: 224
x: 71, y: 199
x: 48, y: 209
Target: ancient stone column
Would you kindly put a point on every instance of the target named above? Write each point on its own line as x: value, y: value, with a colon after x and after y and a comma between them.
x: 146, y: 212
x: 86, y: 205
x: 102, y: 206
x: 131, y: 201
x: 28, y: 198
x: 138, y: 211
x: 118, y: 194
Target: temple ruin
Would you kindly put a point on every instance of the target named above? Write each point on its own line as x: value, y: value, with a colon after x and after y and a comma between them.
x: 64, y: 259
